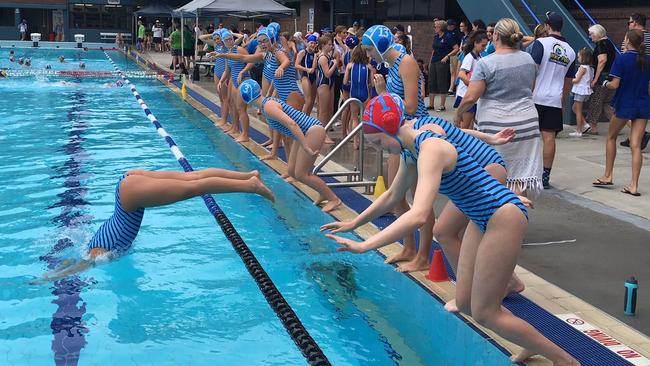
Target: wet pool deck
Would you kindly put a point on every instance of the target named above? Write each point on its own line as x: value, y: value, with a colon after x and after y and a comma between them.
x: 602, y: 235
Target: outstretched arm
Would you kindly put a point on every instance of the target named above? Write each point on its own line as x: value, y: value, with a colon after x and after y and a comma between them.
x: 256, y: 57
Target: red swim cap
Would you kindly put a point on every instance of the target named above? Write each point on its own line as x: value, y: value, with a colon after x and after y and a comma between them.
x: 382, y: 115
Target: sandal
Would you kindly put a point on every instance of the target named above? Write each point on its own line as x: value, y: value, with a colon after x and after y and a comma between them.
x: 600, y: 182
x: 627, y: 191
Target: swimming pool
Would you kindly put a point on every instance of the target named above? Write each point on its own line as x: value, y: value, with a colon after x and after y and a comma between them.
x: 182, y: 294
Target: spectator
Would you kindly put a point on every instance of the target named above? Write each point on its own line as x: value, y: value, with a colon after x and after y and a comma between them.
x: 398, y: 29
x: 357, y: 28
x: 490, y: 46
x: 504, y: 83
x: 478, y: 24
x: 175, y: 39
x: 157, y: 36
x: 638, y: 21
x: 464, y: 33
x: 602, y: 60
x: 473, y: 48
x: 22, y: 28
x: 538, y: 33
x: 58, y: 30
x: 444, y: 47
x: 453, y: 61
x: 581, y: 90
x: 631, y: 78
x: 119, y: 41
x: 556, y: 60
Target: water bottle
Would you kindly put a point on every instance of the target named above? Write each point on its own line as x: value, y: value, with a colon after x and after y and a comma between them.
x: 631, y: 286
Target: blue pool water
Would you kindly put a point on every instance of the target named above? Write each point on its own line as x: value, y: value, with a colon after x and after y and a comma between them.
x: 182, y: 295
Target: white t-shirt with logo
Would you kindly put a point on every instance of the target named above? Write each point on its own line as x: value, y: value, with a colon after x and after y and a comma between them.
x: 157, y: 32
x: 23, y: 27
x: 556, y: 60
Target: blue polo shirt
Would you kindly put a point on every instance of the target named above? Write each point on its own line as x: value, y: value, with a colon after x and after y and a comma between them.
x: 442, y: 46
x: 632, y: 92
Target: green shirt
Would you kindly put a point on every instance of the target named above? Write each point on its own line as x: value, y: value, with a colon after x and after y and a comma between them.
x: 188, y: 39
x: 176, y: 40
x: 141, y: 31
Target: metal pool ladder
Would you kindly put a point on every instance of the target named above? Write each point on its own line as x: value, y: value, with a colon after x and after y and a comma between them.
x: 354, y: 176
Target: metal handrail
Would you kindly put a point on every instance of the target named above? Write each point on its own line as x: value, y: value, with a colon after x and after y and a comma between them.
x: 530, y: 11
x: 593, y: 22
x: 338, y: 147
x: 341, y: 109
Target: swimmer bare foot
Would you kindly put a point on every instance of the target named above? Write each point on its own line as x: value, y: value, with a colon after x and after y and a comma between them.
x: 262, y: 189
x: 419, y: 263
x: 269, y: 157
x: 320, y: 200
x: 406, y: 254
x: 451, y: 306
x: 290, y: 180
x: 242, y: 138
x: 522, y: 356
x: 331, y: 205
x: 515, y: 285
x: 267, y: 143
x: 233, y: 132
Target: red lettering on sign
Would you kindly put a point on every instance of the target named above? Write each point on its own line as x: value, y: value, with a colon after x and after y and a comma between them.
x: 602, y: 338
x: 628, y: 353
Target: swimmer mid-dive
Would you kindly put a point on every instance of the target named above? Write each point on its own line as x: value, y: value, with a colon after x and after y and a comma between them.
x: 3, y: 74
x: 140, y: 189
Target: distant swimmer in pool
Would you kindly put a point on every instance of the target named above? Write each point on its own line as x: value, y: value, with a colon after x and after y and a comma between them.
x: 3, y: 74
x: 140, y: 189
x: 61, y: 58
x: 82, y: 65
x: 116, y: 84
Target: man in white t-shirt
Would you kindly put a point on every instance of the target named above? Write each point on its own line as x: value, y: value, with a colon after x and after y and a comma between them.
x: 157, y: 35
x: 22, y: 28
x: 556, y: 61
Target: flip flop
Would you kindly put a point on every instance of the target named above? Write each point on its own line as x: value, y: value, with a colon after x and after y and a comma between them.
x: 627, y: 191
x: 599, y: 182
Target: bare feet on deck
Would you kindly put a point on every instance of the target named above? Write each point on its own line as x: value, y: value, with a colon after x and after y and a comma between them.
x: 331, y: 205
x: 515, y: 285
x: 419, y: 263
x: 269, y: 157
x: 320, y: 200
x: 242, y: 138
x: 404, y: 255
x: 451, y: 306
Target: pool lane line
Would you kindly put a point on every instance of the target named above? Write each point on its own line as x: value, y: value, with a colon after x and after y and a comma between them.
x: 307, y: 345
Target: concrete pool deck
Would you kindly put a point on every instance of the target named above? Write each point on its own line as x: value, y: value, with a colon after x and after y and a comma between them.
x: 586, y: 267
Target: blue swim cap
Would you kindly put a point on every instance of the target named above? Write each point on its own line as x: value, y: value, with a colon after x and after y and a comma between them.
x: 252, y: 47
x: 276, y: 28
x: 250, y: 90
x: 312, y: 38
x: 352, y: 42
x: 379, y: 37
x: 216, y: 34
x: 225, y: 33
x: 400, y: 48
x: 268, y: 32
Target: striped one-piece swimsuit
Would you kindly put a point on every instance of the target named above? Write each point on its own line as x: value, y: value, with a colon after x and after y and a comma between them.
x: 118, y: 232
x: 235, y: 68
x: 220, y: 62
x: 287, y: 84
x: 470, y: 187
x: 304, y: 121
x: 308, y: 62
x: 478, y: 149
x: 394, y: 84
x: 271, y: 64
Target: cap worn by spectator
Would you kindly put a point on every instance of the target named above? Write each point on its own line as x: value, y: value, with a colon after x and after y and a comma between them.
x: 554, y: 20
x: 352, y: 31
x: 398, y: 28
x: 298, y: 35
x: 355, y: 24
x: 326, y: 30
x: 451, y: 22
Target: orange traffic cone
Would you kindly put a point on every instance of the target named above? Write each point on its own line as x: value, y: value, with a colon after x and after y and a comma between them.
x: 438, y: 271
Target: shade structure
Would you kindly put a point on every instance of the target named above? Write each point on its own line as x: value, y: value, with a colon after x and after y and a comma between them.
x: 236, y: 8
x: 156, y: 10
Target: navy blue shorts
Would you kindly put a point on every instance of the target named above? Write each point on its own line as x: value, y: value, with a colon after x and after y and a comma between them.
x: 630, y: 113
x: 460, y: 99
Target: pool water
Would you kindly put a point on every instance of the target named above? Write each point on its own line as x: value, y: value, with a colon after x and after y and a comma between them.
x: 181, y: 295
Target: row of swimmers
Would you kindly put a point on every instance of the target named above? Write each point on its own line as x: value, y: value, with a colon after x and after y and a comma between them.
x: 435, y: 157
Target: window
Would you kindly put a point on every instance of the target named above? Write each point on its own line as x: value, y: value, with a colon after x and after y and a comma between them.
x: 294, y: 5
x: 406, y: 10
x: 392, y: 9
x: 99, y: 16
x: 7, y: 17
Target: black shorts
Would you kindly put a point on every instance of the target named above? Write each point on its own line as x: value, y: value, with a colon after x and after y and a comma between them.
x: 157, y: 40
x: 140, y: 40
x: 176, y: 52
x: 550, y: 118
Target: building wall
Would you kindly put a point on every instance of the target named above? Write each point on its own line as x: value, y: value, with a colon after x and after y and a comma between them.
x: 422, y: 36
x: 613, y: 19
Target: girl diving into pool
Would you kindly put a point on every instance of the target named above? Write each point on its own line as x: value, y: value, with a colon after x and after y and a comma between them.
x: 140, y: 189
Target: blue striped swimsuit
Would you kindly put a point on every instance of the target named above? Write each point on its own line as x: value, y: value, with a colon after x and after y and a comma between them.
x: 308, y: 62
x: 118, y: 232
x: 472, y: 189
x: 479, y: 150
x: 287, y: 84
x: 235, y: 68
x: 359, y: 82
x: 322, y: 79
x: 304, y: 121
x: 271, y: 64
x: 220, y: 63
x: 394, y: 84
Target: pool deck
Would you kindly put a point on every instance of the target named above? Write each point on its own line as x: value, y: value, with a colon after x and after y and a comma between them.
x: 611, y: 239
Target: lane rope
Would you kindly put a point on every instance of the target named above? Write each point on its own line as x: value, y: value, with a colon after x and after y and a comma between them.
x: 80, y: 73
x: 309, y: 348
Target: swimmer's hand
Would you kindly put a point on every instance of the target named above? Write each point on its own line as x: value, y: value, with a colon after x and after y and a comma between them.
x: 338, y: 227
x: 311, y: 152
x: 279, y: 72
x: 348, y: 245
x: 528, y: 203
x: 380, y: 83
x: 240, y: 77
x: 502, y: 137
x: 66, y: 268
